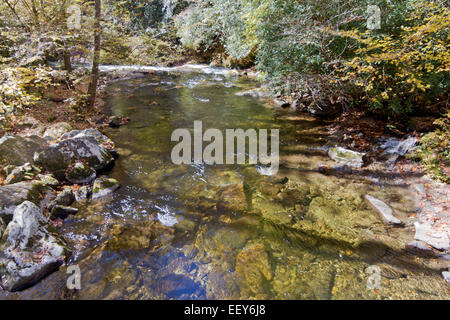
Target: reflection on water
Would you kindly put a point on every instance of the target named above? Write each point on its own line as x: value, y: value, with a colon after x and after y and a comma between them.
x: 221, y: 232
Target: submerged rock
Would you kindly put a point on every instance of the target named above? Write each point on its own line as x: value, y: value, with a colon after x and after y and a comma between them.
x: 233, y: 197
x: 80, y: 173
x: 14, y: 194
x: 346, y: 157
x: 253, y: 270
x: 272, y: 211
x: 17, y: 150
x: 395, y: 148
x: 29, y: 251
x: 436, y: 239
x: 104, y: 186
x: 58, y: 157
x: 383, y: 210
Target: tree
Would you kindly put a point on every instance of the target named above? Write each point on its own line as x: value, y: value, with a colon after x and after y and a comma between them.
x: 92, y: 91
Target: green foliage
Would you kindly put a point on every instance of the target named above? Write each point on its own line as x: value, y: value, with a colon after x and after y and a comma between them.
x: 20, y: 88
x: 434, y: 150
x: 402, y: 71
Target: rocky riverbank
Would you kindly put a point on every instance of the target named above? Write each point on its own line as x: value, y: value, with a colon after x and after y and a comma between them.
x: 44, y: 176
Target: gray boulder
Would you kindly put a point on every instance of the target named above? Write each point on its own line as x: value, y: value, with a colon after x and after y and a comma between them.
x: 17, y: 150
x: 94, y: 133
x: 80, y: 173
x: 55, y: 131
x: 14, y: 194
x: 58, y: 157
x: 104, y: 186
x: 346, y: 157
x: 28, y: 251
x: 383, y: 210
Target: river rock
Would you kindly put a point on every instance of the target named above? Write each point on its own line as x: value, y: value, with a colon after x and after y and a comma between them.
x: 272, y: 211
x: 65, y: 198
x: 58, y: 157
x: 104, y: 186
x: 346, y: 157
x: 17, y: 150
x: 24, y: 172
x: 436, y: 239
x: 55, y: 131
x: 383, y: 210
x: 62, y: 212
x: 395, y: 148
x: 14, y: 194
x: 233, y: 197
x: 103, y: 140
x: 48, y: 179
x: 28, y: 251
x: 82, y: 193
x: 80, y: 173
x: 253, y: 270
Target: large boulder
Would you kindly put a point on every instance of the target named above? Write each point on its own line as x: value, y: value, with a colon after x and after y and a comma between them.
x: 14, y: 194
x: 103, y: 140
x: 28, y: 251
x: 58, y: 157
x: 17, y: 150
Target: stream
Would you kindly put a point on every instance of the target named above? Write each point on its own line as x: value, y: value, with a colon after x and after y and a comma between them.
x: 233, y: 231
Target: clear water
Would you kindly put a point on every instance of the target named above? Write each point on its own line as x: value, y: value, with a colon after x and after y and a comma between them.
x: 230, y: 232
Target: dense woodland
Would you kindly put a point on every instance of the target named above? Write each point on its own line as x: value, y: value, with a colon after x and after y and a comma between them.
x: 318, y: 55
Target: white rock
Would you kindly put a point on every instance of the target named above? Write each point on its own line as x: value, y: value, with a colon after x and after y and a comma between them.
x: 436, y: 239
x: 383, y: 209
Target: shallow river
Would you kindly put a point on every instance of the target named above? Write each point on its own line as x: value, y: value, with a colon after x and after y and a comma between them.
x: 232, y: 231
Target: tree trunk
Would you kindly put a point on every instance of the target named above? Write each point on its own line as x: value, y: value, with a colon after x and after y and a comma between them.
x: 67, y: 62
x: 92, y: 91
